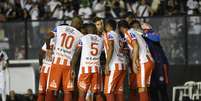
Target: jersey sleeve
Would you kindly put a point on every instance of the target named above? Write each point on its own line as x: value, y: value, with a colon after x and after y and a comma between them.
x: 133, y: 36
x: 54, y: 31
x: 80, y: 43
x: 110, y: 36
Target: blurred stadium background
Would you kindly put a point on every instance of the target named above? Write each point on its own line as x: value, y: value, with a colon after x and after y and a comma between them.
x: 23, y: 24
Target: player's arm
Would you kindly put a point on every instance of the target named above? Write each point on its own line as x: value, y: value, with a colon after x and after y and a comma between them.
x: 41, y: 57
x: 109, y: 55
x: 47, y: 41
x: 135, y: 55
x: 75, y: 58
x: 48, y: 38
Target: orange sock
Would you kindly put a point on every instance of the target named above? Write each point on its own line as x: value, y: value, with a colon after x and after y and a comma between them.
x: 119, y: 97
x: 41, y: 97
x: 68, y: 96
x: 50, y: 96
x: 110, y: 97
x: 133, y: 96
x: 144, y: 96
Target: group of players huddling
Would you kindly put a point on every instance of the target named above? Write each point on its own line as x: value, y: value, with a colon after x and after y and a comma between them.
x: 104, y: 52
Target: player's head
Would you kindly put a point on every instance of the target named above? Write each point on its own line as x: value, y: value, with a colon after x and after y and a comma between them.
x: 76, y: 22
x: 110, y: 25
x: 91, y: 28
x: 83, y: 29
x: 136, y: 25
x: 99, y: 24
x: 123, y: 26
x: 146, y: 27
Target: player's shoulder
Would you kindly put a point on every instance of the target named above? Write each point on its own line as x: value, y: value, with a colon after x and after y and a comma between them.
x: 111, y: 33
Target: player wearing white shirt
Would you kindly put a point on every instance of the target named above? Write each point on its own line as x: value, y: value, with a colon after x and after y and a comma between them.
x: 3, y: 65
x: 45, y: 65
x: 66, y: 40
x: 115, y: 69
x: 90, y: 47
x: 142, y: 62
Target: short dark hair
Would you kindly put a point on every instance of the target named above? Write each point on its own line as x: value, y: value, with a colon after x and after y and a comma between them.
x: 112, y: 23
x: 123, y: 23
x: 97, y: 19
x: 135, y: 22
x: 79, y: 18
x: 91, y: 28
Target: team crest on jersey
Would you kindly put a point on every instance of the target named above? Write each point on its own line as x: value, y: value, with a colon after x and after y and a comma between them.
x: 110, y: 36
x: 132, y: 35
x: 53, y: 84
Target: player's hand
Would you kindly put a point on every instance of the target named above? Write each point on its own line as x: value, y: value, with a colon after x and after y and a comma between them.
x: 49, y: 54
x: 107, y: 72
x: 137, y: 62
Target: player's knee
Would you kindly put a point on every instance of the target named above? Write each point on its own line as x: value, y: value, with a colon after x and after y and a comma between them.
x: 142, y: 89
x: 52, y: 92
x: 82, y: 93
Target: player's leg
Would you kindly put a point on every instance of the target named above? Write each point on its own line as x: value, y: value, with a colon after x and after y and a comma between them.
x: 54, y: 81
x: 110, y: 84
x: 143, y: 79
x: 133, y: 87
x: 89, y: 95
x: 141, y: 84
x: 119, y: 89
x: 107, y: 87
x: 96, y: 86
x: 68, y: 86
x: 42, y: 85
x: 83, y: 85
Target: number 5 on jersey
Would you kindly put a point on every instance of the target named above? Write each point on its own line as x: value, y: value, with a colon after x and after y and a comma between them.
x: 94, y: 48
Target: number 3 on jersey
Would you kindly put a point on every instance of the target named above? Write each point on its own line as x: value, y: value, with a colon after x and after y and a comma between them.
x: 94, y: 48
x: 67, y: 41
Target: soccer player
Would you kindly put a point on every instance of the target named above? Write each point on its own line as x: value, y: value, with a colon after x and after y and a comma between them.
x: 100, y: 30
x: 61, y: 74
x: 3, y: 65
x: 45, y: 65
x: 159, y: 79
x: 115, y: 69
x: 90, y: 47
x: 142, y: 62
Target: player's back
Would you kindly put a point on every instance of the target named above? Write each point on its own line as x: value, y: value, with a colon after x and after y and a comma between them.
x: 66, y: 40
x: 143, y: 48
x: 117, y: 56
x: 92, y: 46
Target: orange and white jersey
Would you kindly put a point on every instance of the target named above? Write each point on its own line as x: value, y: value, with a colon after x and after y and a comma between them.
x: 143, y: 48
x: 92, y: 46
x: 47, y: 63
x: 66, y: 40
x: 118, y: 59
